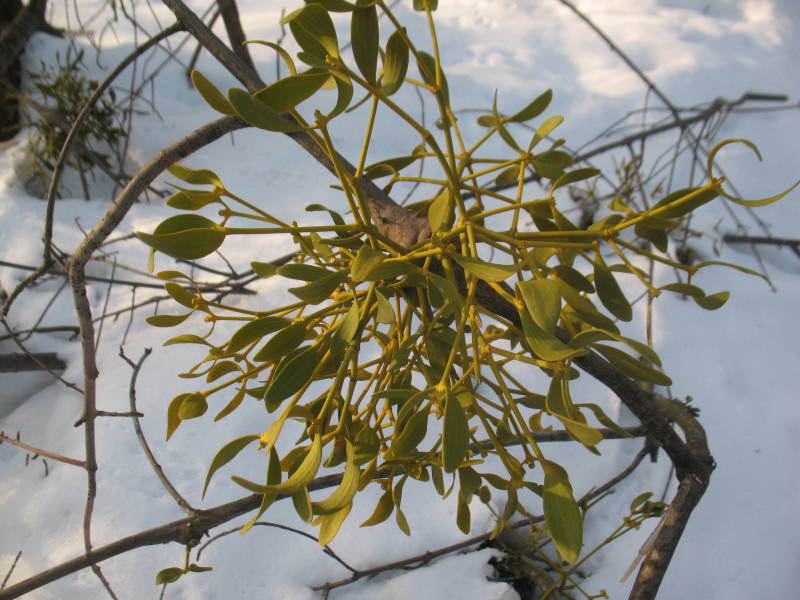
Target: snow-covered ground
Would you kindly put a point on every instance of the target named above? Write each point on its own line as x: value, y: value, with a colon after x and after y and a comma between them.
x: 737, y: 363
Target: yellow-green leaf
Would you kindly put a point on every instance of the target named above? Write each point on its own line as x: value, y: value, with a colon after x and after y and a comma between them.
x: 589, y: 336
x: 273, y: 478
x: 225, y: 455
x: 342, y: 495
x: 313, y: 30
x: 331, y: 523
x: 708, y: 302
x: 543, y: 302
x: 301, y: 500
x: 166, y: 320
x: 211, y: 94
x: 383, y: 510
x: 187, y: 236
x: 395, y: 64
x: 297, y: 480
x: 463, y: 515
x: 365, y: 261
x: 346, y: 330
x: 221, y: 369
x: 364, y: 39
x: 255, y: 330
x: 180, y: 294
x: 193, y: 406
x: 285, y: 94
x: 455, y: 434
x: 282, y: 343
x: 411, y: 436
x: 440, y: 212
x: 258, y: 114
x: 534, y: 109
x: 545, y: 129
x: 545, y: 345
x: 610, y: 293
x: 195, y: 176
x: 385, y: 313
x: 232, y: 405
x: 291, y: 377
x: 169, y: 575
x: 632, y: 367
x: 561, y: 512
x: 263, y: 269
x: 319, y: 290
x: 484, y: 270
x: 173, y: 417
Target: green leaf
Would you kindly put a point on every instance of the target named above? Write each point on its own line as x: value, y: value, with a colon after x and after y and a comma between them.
x: 463, y: 515
x: 193, y: 406
x: 346, y: 330
x: 331, y: 523
x: 302, y: 504
x: 187, y: 236
x: 534, y: 109
x: 545, y: 129
x: 590, y: 336
x: 255, y: 330
x: 543, y: 302
x: 225, y: 455
x: 221, y: 369
x: 258, y: 114
x: 292, y: 375
x: 395, y: 64
x: 319, y: 290
x: 297, y: 480
x: 431, y: 4
x: 573, y: 278
x: 561, y: 512
x: 173, y: 416
x: 364, y: 39
x: 427, y: 68
x: 708, y: 302
x: 232, y: 405
x: 700, y: 198
x: 411, y: 436
x: 545, y: 345
x: 559, y: 405
x: 389, y: 166
x: 385, y: 313
x: 303, y: 272
x: 342, y: 496
x: 195, y: 176
x: 365, y: 261
x: 285, y: 94
x: 170, y: 575
x: 186, y: 338
x: 344, y: 89
x: 483, y: 270
x: 455, y: 434
x: 313, y: 30
x: 166, y: 320
x: 263, y: 270
x: 631, y: 367
x: 273, y: 478
x: 609, y: 292
x: 211, y: 94
x: 574, y: 177
x: 198, y: 569
x: 193, y: 199
x: 383, y: 510
x: 180, y: 294
x: 440, y: 211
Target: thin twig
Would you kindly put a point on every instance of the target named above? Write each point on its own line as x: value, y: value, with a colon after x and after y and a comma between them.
x: 11, y: 570
x: 180, y: 500
x: 40, y: 452
x: 326, y: 549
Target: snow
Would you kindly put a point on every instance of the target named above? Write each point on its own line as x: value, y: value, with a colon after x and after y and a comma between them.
x: 737, y: 363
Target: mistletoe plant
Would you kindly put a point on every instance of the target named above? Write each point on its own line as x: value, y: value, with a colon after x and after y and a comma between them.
x: 412, y: 330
